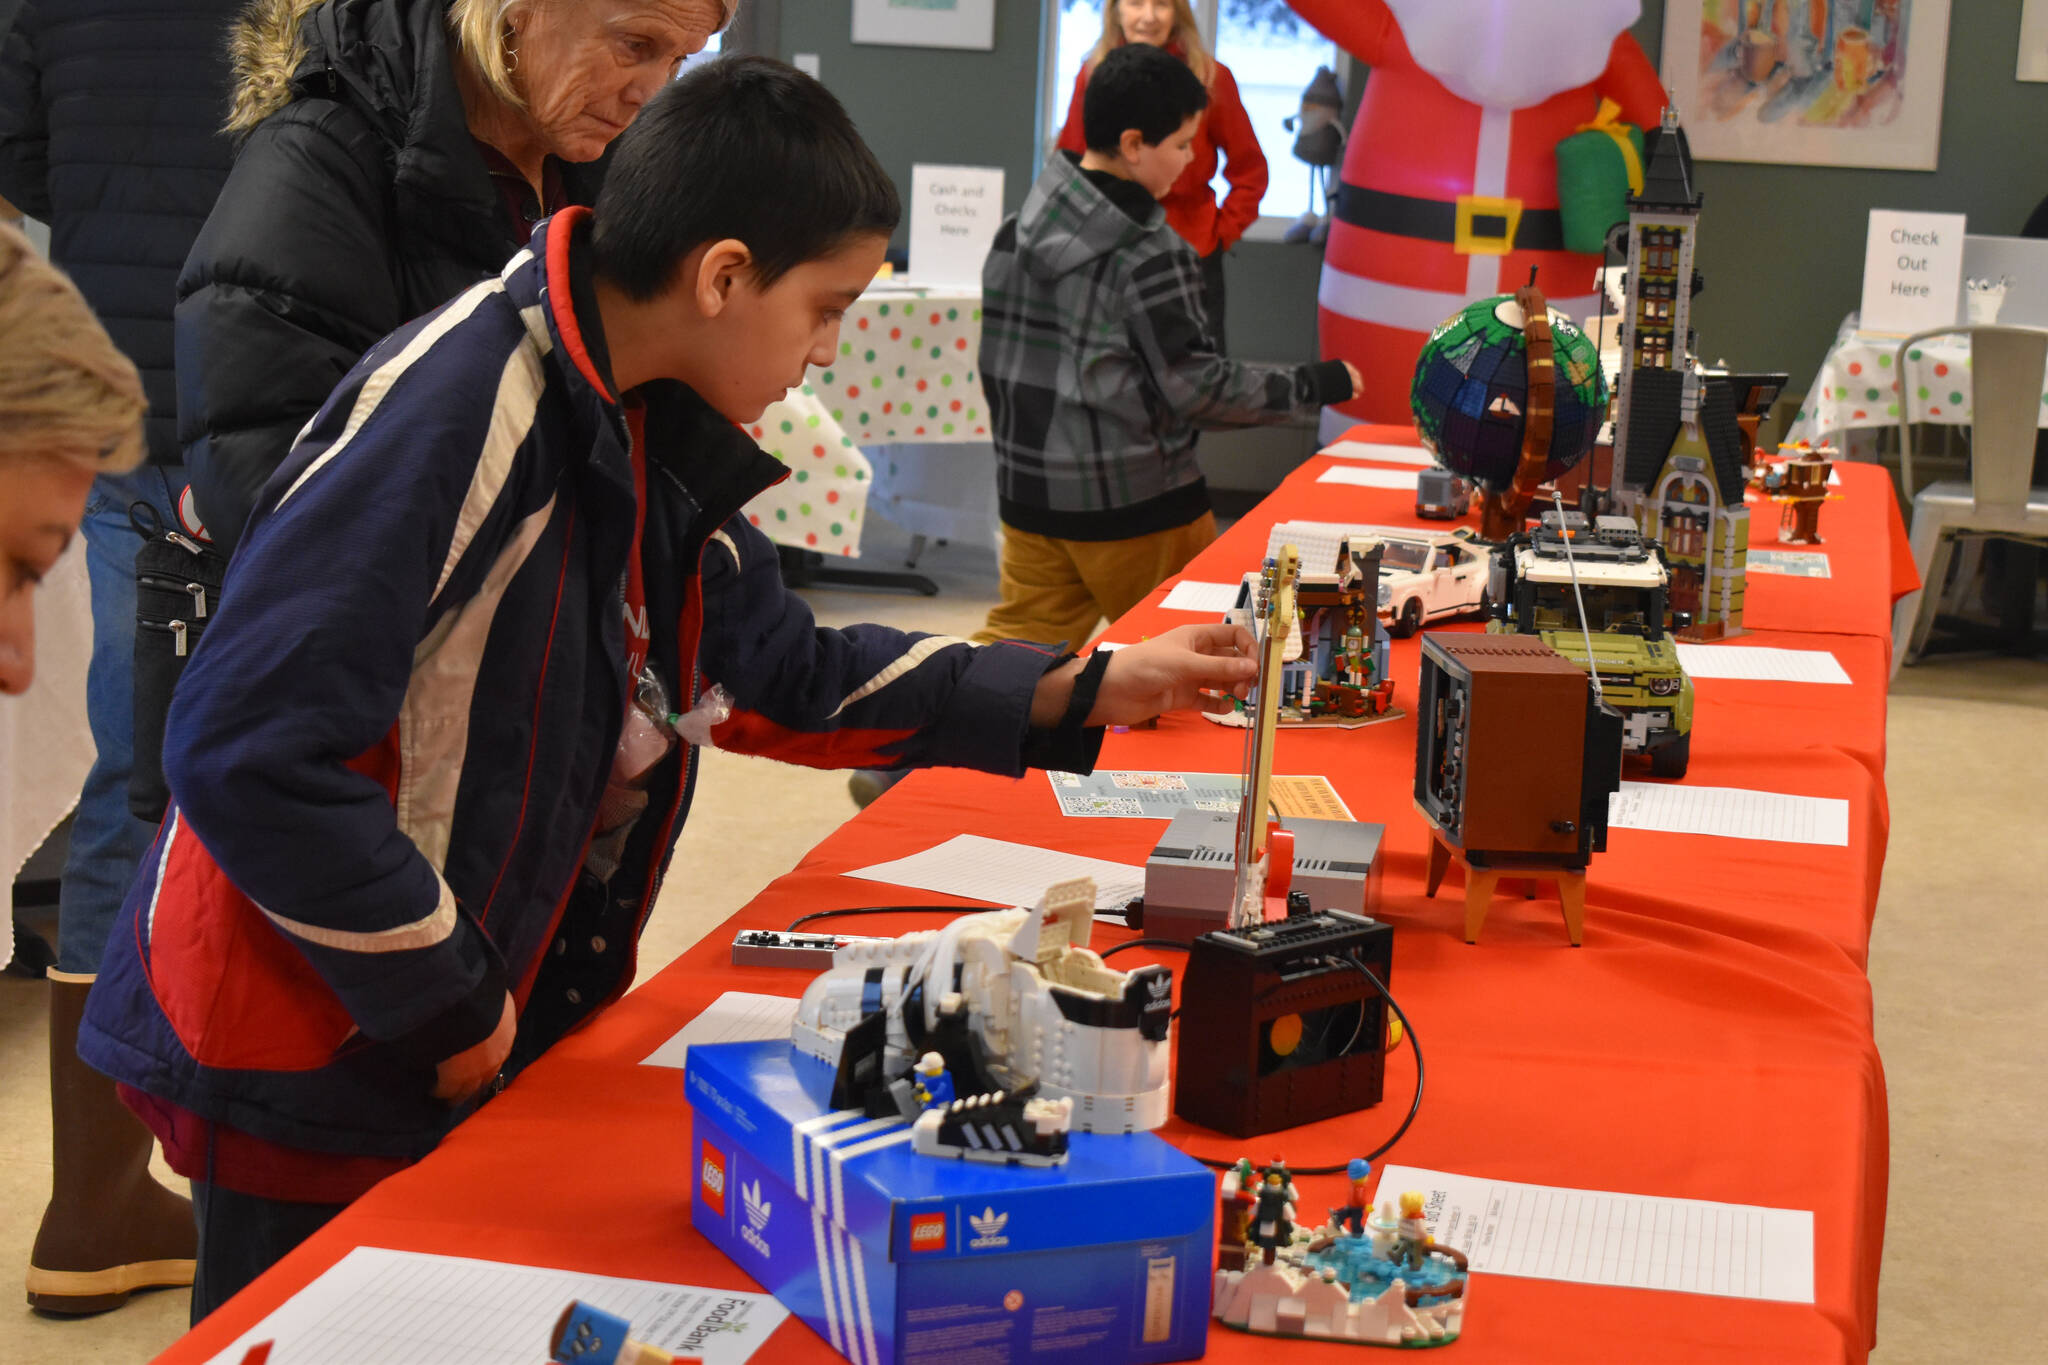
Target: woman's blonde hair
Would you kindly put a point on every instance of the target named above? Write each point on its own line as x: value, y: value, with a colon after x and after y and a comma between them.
x: 1187, y: 35
x: 482, y: 30
x: 66, y: 391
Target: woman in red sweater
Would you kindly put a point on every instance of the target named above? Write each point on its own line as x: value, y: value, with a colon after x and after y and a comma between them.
x: 1191, y: 207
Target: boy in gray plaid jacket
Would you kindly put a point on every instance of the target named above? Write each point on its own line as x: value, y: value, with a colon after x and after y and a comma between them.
x: 1100, y: 366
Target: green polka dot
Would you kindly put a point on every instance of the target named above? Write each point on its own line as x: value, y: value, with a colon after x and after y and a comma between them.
x: 917, y: 343
x: 948, y: 428
x: 845, y: 348
x: 935, y: 353
x: 974, y: 414
x: 1913, y: 354
x: 1870, y: 394
x: 846, y: 440
x: 977, y: 315
x: 899, y: 371
x: 812, y: 420
x: 860, y: 475
x: 970, y: 376
x: 875, y: 382
x: 1923, y: 390
x: 870, y: 357
x: 932, y: 411
x: 853, y: 516
x: 1891, y: 410
x: 782, y: 514
x: 1884, y: 362
x: 803, y: 508
x: 863, y: 419
x: 1955, y: 397
x: 840, y: 470
x: 788, y: 427
x: 803, y: 476
x: 828, y: 376
x: 906, y: 409
x: 839, y: 415
x: 809, y: 390
x: 883, y: 310
x: 952, y: 315
x: 1841, y: 393
x: 945, y: 381
x: 837, y: 529
x: 891, y: 431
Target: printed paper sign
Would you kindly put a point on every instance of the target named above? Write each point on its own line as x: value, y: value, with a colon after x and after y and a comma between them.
x: 1912, y: 271
x: 954, y: 214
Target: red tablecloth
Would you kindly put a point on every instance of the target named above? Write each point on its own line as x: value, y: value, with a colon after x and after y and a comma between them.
x: 1712, y: 1040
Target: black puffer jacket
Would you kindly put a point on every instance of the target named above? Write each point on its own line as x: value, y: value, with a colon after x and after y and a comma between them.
x: 358, y: 202
x: 110, y: 132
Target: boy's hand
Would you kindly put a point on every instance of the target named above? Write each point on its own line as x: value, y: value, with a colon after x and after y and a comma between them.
x: 468, y: 1071
x: 1357, y: 379
x: 1168, y: 672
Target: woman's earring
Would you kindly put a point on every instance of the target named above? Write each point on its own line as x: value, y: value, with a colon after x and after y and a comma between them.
x: 511, y: 59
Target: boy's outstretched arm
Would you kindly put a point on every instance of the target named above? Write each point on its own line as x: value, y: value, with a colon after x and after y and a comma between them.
x: 1171, y: 336
x: 1188, y: 667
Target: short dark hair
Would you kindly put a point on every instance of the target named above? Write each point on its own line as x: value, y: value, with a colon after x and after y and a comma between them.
x: 1139, y: 86
x: 743, y: 147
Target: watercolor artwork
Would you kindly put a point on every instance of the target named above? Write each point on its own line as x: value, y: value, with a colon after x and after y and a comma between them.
x: 1810, y: 82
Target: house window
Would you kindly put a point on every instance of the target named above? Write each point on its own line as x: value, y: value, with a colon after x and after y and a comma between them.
x: 1272, y: 53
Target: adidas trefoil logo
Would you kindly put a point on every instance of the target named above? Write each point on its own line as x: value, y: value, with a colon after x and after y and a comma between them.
x: 1160, y: 986
x: 758, y: 1210
x: 988, y: 1228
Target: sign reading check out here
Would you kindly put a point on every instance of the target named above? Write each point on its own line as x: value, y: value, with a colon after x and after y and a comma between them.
x: 954, y: 214
x: 1912, y: 271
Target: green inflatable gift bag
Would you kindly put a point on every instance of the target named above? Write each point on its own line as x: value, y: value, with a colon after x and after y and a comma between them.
x: 1598, y: 168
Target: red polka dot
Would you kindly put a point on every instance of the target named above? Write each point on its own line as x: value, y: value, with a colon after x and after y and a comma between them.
x: 935, y: 319
x: 853, y: 390
x: 1854, y: 367
x: 810, y: 537
x: 861, y: 323
x: 757, y: 433
x: 1941, y: 369
x: 981, y: 431
x: 1858, y: 415
x: 1895, y: 386
x: 920, y: 430
x: 920, y: 386
x: 846, y: 550
x: 754, y: 517
x: 960, y: 344
x: 1935, y: 411
x: 832, y: 495
x: 956, y: 405
x: 895, y: 334
x: 818, y: 451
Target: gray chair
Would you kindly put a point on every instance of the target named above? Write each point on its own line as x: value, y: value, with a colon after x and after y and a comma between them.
x: 2006, y: 367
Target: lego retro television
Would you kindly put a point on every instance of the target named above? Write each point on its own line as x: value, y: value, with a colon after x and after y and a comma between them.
x: 896, y: 1257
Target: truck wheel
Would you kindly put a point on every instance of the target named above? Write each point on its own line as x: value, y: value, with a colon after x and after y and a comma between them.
x: 1410, y: 619
x: 1673, y: 759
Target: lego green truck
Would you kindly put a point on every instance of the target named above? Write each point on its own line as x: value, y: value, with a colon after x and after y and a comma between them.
x: 1623, y: 580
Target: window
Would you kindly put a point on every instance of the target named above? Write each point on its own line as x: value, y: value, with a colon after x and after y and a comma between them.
x: 1272, y: 53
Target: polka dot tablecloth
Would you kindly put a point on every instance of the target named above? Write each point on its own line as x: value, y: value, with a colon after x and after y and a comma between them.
x: 1857, y: 386
x: 906, y: 368
x: 822, y: 503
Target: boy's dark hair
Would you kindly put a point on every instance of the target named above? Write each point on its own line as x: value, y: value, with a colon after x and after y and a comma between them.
x: 1138, y: 86
x: 743, y: 147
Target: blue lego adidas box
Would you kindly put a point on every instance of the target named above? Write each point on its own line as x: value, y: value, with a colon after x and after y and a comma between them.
x: 902, y: 1259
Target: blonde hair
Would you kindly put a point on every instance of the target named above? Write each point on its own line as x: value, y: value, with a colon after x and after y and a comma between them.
x: 1186, y: 32
x: 481, y: 30
x: 66, y: 391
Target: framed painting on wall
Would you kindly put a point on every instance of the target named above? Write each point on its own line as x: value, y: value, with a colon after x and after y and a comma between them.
x: 925, y: 23
x: 1810, y: 82
x: 2034, y: 41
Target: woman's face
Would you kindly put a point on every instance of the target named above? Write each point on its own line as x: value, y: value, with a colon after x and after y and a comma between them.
x: 1146, y: 21
x: 41, y: 501
x: 586, y: 66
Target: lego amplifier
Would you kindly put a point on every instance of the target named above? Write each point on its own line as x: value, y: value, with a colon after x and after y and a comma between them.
x: 1279, y: 1027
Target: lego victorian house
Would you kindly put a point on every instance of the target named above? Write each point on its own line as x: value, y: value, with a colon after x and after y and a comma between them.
x: 1682, y: 436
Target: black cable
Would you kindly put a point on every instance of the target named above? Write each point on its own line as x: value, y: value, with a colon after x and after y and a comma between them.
x: 1414, y: 1107
x: 1144, y: 943
x: 882, y: 910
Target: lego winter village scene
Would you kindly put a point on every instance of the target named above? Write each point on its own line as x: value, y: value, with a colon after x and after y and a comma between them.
x: 784, y: 680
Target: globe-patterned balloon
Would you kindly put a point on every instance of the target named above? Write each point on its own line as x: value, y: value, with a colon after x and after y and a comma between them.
x: 1471, y: 390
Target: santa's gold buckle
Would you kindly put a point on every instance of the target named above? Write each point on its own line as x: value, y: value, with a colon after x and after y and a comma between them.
x: 1486, y: 225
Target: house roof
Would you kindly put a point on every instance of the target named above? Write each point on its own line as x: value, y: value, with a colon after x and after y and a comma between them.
x: 1667, y: 174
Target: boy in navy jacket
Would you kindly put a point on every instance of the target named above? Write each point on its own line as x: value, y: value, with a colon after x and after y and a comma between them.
x: 425, y: 786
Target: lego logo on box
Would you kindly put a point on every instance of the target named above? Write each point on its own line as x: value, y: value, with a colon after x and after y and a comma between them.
x: 927, y: 1232
x: 711, y: 1180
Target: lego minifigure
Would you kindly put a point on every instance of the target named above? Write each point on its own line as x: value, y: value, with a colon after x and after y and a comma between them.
x: 1352, y: 1214
x: 1412, y: 1240
x: 933, y: 1087
x: 1273, y: 1220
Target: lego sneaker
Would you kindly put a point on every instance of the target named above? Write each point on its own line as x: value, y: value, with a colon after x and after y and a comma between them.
x: 1018, y: 1128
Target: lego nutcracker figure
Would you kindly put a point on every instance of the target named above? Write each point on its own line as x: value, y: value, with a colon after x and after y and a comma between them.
x: 1239, y: 1196
x: 1449, y: 188
x: 1273, y: 1218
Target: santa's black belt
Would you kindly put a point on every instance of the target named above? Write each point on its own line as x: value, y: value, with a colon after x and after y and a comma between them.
x: 1478, y: 224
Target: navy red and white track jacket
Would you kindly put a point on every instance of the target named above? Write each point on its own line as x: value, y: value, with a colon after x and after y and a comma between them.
x: 388, y: 753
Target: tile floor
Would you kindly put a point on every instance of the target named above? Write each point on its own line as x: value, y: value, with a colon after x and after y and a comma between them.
x: 1958, y: 955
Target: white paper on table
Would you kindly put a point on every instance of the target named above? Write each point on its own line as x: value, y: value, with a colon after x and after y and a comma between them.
x: 1761, y: 663
x: 1377, y: 450
x: 1790, y: 563
x: 1005, y: 873
x: 1317, y: 541
x: 1365, y: 476
x: 1633, y: 1241
x: 1730, y: 813
x: 1190, y: 595
x: 735, y: 1017
x: 409, y: 1308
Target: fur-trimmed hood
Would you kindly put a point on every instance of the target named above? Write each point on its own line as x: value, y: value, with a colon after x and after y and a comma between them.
x: 266, y: 48
x: 389, y: 59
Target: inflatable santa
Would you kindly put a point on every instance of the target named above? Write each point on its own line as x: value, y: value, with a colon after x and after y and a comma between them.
x: 1449, y: 187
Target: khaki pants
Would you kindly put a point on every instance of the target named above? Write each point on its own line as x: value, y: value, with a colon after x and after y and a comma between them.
x: 1057, y: 590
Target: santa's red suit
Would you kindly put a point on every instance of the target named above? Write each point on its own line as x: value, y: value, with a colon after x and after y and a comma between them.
x: 1456, y: 139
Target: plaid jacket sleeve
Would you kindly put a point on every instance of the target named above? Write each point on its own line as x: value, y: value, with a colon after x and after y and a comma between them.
x: 1170, y: 334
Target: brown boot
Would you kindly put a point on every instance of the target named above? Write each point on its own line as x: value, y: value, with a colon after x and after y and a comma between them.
x: 109, y: 1229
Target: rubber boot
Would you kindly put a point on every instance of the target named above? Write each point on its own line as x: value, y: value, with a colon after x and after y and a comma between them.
x: 109, y: 1229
